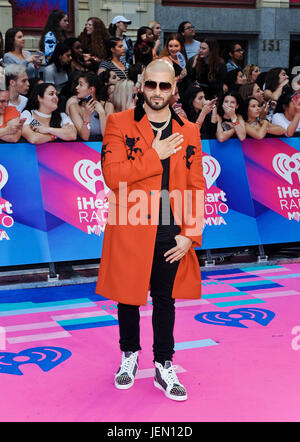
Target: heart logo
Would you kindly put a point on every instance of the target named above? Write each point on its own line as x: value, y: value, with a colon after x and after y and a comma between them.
x: 46, y: 358
x: 285, y: 165
x: 234, y: 317
x: 3, y: 176
x: 211, y: 169
x: 88, y: 173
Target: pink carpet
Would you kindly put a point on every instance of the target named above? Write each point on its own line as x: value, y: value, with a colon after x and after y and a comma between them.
x: 238, y: 353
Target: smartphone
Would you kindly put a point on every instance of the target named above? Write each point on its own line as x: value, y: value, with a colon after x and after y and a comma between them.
x: 88, y: 98
x: 34, y: 123
x: 296, y: 97
x: 226, y: 126
x: 181, y: 60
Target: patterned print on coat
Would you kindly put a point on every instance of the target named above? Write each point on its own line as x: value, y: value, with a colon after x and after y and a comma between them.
x: 131, y: 142
x: 190, y: 150
x: 104, y: 151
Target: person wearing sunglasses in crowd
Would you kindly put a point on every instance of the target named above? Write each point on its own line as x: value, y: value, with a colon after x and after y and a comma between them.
x: 156, y: 154
x: 236, y: 56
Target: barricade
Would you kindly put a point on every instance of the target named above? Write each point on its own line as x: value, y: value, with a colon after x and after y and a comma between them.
x: 53, y: 201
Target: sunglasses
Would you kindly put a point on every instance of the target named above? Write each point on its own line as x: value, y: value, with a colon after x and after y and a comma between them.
x: 163, y: 85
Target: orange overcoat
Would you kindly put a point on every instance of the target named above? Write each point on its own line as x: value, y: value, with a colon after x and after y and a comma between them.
x: 131, y: 167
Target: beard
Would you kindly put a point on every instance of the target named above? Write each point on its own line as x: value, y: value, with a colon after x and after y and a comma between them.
x: 160, y: 104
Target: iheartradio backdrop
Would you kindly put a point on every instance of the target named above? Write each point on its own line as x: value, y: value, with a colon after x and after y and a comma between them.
x: 53, y: 201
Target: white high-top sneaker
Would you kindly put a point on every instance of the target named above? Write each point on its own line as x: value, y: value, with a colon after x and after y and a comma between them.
x: 166, y: 380
x: 124, y: 378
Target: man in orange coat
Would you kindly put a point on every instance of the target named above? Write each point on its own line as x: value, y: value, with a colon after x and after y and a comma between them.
x: 152, y: 162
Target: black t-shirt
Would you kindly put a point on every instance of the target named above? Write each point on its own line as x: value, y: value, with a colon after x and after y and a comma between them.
x: 167, y: 228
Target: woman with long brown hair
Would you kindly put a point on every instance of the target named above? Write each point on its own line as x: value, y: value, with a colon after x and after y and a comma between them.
x: 115, y: 51
x: 16, y: 53
x: 174, y: 45
x: 207, y: 67
x: 55, y: 31
x: 93, y: 41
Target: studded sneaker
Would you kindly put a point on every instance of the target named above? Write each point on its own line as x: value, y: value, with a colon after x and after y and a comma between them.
x: 124, y: 378
x: 166, y: 380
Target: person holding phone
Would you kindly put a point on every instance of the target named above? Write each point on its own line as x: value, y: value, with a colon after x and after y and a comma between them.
x: 287, y: 113
x: 43, y: 120
x: 88, y: 114
x: 257, y: 127
x: 276, y: 83
x: 201, y: 111
x: 144, y: 46
x: 173, y: 46
x: 15, y: 52
x: 10, y: 123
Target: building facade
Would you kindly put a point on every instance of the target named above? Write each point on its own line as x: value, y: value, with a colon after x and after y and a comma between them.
x: 268, y: 29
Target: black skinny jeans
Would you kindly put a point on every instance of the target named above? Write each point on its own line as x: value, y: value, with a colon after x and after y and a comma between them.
x: 163, y: 317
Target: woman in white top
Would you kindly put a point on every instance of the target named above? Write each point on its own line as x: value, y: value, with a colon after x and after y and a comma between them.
x: 287, y: 113
x: 44, y: 122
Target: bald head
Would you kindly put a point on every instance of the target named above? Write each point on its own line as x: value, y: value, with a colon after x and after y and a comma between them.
x: 160, y: 66
x: 158, y: 84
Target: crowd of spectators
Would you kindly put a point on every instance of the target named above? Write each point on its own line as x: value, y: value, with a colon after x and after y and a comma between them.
x: 68, y: 88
